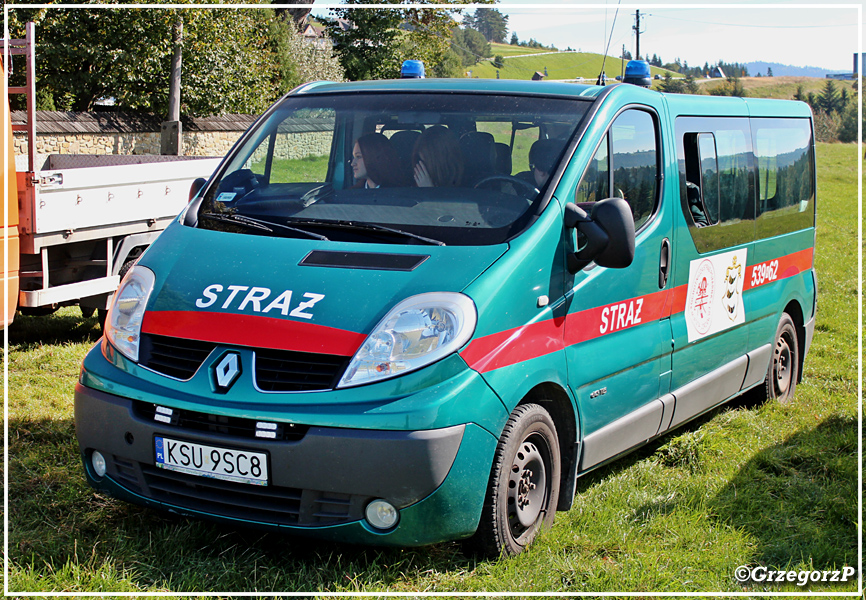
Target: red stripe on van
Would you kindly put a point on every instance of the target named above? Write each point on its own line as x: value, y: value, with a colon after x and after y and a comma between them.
x: 252, y: 330
x: 787, y: 266
x: 510, y: 347
x: 513, y: 346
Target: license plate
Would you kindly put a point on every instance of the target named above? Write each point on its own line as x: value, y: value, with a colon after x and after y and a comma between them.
x: 241, y: 466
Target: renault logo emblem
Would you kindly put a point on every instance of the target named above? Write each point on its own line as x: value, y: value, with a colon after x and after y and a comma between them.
x: 227, y: 370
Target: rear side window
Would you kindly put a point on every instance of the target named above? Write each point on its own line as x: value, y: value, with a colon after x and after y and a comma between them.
x: 716, y: 181
x: 786, y: 195
x: 625, y: 166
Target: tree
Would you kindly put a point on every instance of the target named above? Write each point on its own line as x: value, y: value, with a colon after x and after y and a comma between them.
x: 379, y: 40
x: 671, y: 85
x: 691, y: 85
x: 490, y: 23
x: 297, y: 60
x: 514, y: 40
x: 769, y: 71
x: 83, y: 56
x: 498, y: 61
x: 367, y: 47
x: 451, y: 65
x: 470, y: 45
x: 829, y: 100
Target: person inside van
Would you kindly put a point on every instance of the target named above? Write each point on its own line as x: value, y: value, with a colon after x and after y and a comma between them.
x: 374, y: 162
x: 438, y: 158
x: 542, y: 160
x: 693, y: 193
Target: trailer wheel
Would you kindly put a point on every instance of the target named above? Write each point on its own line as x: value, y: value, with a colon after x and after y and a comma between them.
x: 86, y: 311
x: 523, y: 489
x: 781, y: 381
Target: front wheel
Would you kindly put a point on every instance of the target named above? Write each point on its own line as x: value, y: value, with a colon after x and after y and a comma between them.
x: 784, y: 366
x: 523, y: 489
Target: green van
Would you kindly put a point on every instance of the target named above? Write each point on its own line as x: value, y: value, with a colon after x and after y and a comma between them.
x: 402, y: 312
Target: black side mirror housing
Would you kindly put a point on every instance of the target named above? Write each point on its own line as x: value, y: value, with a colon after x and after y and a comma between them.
x: 196, y: 187
x: 609, y: 233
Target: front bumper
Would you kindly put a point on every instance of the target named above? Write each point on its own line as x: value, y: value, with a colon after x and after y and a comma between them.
x: 320, y: 482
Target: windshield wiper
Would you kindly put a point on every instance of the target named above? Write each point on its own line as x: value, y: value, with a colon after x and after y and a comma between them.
x: 366, y: 227
x: 259, y: 224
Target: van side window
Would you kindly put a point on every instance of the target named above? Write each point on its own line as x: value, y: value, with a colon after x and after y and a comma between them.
x: 634, y: 161
x: 785, y: 175
x: 716, y: 180
x: 625, y: 166
x: 702, y: 178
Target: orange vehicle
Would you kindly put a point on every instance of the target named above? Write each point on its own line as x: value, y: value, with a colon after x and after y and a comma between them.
x: 9, y: 255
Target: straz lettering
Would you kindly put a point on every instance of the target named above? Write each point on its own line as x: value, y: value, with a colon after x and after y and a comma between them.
x: 619, y: 316
x: 259, y: 300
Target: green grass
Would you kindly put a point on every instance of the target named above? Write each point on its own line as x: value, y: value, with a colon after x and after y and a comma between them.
x: 779, y: 87
x: 560, y: 65
x: 768, y: 484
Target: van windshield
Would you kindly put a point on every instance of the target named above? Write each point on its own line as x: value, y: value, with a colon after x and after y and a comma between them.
x: 403, y: 168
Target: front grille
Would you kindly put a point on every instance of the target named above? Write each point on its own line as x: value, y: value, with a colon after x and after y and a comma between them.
x: 236, y: 426
x: 287, y: 371
x: 175, y: 357
x: 271, y: 504
x: 275, y: 370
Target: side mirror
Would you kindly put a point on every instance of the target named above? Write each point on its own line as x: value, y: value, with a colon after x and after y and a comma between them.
x: 195, y: 187
x: 609, y: 233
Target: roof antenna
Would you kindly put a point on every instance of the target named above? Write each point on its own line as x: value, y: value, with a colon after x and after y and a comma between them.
x: 610, y: 37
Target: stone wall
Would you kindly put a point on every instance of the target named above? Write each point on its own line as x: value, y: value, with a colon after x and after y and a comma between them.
x: 197, y: 143
x: 122, y: 134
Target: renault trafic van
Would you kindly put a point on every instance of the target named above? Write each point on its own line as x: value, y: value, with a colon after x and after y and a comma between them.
x: 544, y: 277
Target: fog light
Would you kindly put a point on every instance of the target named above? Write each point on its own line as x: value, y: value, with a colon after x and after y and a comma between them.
x: 98, y: 462
x: 381, y: 514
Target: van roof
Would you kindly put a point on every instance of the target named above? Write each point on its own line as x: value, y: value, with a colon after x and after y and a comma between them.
x: 495, y: 86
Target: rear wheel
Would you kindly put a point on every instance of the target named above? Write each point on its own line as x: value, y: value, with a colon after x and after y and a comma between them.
x: 523, y: 489
x: 784, y: 366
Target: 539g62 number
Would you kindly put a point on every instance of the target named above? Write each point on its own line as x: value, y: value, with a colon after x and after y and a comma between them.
x: 765, y: 272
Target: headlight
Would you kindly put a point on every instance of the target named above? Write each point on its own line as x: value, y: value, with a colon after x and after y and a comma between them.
x: 418, y: 331
x: 123, y: 324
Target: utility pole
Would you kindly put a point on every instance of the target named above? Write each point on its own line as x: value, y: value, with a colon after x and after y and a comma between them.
x: 171, y: 141
x: 637, y: 34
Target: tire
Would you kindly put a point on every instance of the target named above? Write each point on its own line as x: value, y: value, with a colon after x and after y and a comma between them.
x: 523, y: 489
x: 781, y: 382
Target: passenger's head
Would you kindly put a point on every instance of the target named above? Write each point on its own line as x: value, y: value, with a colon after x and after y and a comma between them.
x: 374, y: 160
x: 438, y: 150
x: 542, y: 159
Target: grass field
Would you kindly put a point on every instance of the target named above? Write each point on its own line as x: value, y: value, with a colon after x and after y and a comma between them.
x: 560, y: 65
x: 779, y: 87
x: 772, y: 485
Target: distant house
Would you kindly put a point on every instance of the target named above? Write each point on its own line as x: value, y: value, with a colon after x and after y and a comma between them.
x: 717, y: 73
x: 315, y: 36
x: 537, y: 76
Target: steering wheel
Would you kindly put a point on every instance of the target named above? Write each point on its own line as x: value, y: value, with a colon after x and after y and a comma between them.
x: 531, y: 190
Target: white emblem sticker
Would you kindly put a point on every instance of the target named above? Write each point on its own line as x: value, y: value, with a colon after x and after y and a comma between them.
x: 226, y: 197
x: 714, y: 301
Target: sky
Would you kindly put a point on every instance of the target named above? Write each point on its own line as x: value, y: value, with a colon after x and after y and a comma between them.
x: 823, y: 36
x: 792, y: 33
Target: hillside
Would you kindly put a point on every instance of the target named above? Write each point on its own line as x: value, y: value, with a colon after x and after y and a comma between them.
x: 778, y: 87
x: 560, y: 65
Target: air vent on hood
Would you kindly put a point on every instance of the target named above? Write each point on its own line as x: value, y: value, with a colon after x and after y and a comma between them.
x: 363, y: 260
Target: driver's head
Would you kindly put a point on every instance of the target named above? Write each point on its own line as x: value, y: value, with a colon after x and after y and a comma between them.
x: 542, y: 159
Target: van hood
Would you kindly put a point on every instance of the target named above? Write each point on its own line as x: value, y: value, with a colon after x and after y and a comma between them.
x: 292, y: 294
